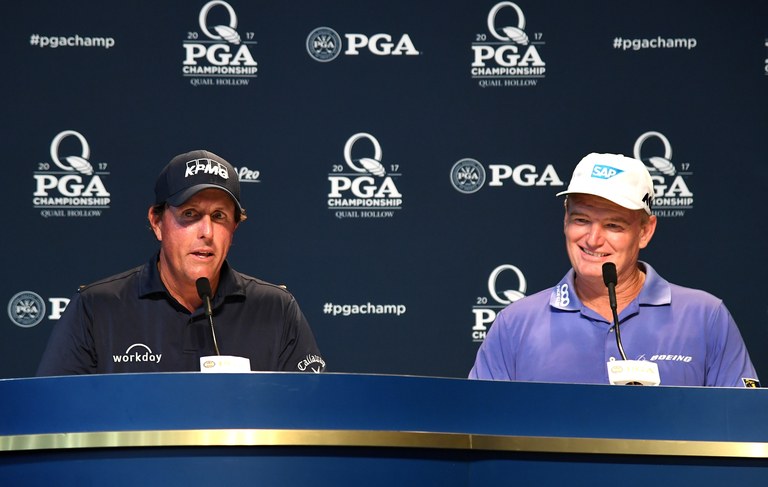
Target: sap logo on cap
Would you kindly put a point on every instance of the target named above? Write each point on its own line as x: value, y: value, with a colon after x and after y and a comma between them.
x: 206, y: 166
x: 605, y: 172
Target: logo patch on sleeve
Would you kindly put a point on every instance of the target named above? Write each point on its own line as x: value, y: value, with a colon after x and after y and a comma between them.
x: 750, y: 382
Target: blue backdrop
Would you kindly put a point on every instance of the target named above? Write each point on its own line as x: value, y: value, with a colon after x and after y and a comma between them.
x: 399, y: 160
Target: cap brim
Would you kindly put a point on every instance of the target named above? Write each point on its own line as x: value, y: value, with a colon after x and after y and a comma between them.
x: 623, y: 202
x: 182, y: 196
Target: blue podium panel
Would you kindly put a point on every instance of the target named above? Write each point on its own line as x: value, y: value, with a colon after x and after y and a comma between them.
x: 340, y: 429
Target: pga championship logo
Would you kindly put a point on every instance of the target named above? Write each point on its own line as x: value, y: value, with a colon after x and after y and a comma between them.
x: 469, y: 175
x: 370, y: 189
x: 27, y: 309
x: 325, y: 44
x: 672, y: 195
x: 507, y: 55
x: 500, y: 294
x: 219, y: 54
x: 70, y: 185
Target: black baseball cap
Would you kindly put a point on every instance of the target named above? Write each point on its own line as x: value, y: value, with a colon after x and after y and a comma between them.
x: 195, y: 171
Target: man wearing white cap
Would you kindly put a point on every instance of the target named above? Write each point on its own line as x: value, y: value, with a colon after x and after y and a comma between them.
x: 159, y: 316
x: 565, y: 334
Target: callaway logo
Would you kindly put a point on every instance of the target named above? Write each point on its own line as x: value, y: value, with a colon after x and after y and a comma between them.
x: 307, y: 362
x: 206, y: 166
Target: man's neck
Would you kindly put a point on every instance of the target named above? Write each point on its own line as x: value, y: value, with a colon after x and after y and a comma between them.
x: 185, y: 295
x: 594, y: 295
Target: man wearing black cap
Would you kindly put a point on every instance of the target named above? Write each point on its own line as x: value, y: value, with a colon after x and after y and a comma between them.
x: 152, y: 318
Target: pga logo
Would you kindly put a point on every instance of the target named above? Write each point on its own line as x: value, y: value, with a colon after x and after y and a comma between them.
x: 484, y: 312
x: 227, y: 48
x: 27, y: 309
x: 514, y: 48
x: 375, y: 184
x: 524, y: 175
x: 78, y: 180
x: 668, y: 182
x: 324, y: 44
x: 380, y: 45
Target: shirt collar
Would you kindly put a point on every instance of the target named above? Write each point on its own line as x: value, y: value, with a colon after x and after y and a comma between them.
x: 656, y: 291
x: 231, y: 283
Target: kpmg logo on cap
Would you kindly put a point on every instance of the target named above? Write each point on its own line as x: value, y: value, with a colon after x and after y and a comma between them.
x: 600, y: 171
x: 484, y: 311
x: 672, y: 196
x: 511, y: 57
x: 325, y: 44
x: 76, y: 188
x: 225, y: 58
x: 206, y: 166
x: 368, y: 192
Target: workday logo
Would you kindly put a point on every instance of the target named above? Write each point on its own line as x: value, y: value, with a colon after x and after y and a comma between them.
x: 672, y: 196
x: 73, y: 185
x: 511, y: 56
x: 325, y: 44
x: 369, y: 191
x: 224, y: 58
x: 513, y: 289
x: 137, y: 353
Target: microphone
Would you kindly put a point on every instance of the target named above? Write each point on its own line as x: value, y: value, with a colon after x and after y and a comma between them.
x: 625, y: 372
x: 610, y: 278
x: 204, y: 291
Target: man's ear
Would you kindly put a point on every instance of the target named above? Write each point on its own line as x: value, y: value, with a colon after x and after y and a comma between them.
x: 156, y: 223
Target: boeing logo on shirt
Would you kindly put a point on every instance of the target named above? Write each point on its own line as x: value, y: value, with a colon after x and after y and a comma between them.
x: 138, y: 353
x: 671, y: 358
x: 307, y: 362
x: 207, y: 166
x: 604, y: 172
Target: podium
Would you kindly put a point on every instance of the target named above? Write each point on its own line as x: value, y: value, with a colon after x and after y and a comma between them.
x: 316, y: 430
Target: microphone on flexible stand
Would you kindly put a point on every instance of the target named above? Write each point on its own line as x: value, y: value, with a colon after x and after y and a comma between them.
x: 625, y: 372
x: 204, y: 291
x: 610, y: 278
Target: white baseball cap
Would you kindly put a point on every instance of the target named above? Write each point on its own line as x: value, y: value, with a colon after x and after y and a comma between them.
x: 621, y: 179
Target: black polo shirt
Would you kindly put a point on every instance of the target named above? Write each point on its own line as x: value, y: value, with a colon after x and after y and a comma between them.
x: 130, y: 323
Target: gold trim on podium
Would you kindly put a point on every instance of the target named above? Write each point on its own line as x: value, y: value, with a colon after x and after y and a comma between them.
x: 381, y: 439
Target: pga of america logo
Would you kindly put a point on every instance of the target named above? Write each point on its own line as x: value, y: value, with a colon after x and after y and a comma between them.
x: 485, y: 309
x: 370, y: 190
x: 672, y: 196
x: 507, y: 55
x: 71, y: 185
x: 469, y: 176
x: 220, y: 56
x: 324, y: 44
x: 27, y: 309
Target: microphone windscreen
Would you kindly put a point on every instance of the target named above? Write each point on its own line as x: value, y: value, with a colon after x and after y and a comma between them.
x: 204, y: 287
x: 609, y: 273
